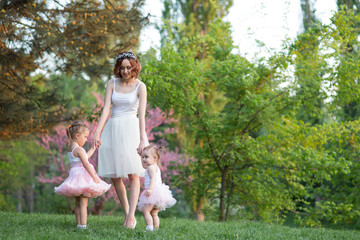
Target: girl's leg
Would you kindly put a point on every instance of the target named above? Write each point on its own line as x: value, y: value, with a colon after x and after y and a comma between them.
x: 133, y: 199
x: 146, y: 211
x: 121, y: 193
x: 156, y: 221
x: 83, y: 210
x: 77, y: 210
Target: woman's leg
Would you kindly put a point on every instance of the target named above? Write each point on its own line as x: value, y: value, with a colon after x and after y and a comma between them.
x: 121, y: 193
x: 77, y: 210
x: 133, y: 199
x: 146, y: 211
x: 83, y: 210
x: 156, y: 221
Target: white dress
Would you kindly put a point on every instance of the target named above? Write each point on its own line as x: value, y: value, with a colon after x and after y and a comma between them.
x: 161, y: 196
x: 79, y: 182
x: 121, y: 137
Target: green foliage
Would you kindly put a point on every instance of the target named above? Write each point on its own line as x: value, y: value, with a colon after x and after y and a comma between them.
x: 20, y: 163
x: 5, y: 203
x: 78, y: 90
x: 19, y: 158
x: 188, y: 18
x: 334, y: 214
x: 310, y: 67
x: 326, y: 58
x: 220, y: 100
x: 262, y: 141
x: 42, y: 37
x: 23, y: 160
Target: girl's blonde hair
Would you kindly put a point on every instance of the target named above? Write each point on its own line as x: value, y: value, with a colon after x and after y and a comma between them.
x: 156, y: 150
x: 73, y: 129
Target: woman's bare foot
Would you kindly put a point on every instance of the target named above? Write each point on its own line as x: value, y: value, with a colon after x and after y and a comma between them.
x: 131, y: 222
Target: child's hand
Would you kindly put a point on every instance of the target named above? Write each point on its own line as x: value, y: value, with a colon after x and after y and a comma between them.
x: 96, y: 142
x: 95, y: 146
x: 97, y: 180
x: 148, y: 192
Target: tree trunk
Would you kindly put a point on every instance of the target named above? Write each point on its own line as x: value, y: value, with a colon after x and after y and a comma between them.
x: 30, y: 198
x: 229, y: 201
x: 112, y: 210
x: 70, y: 204
x: 19, y: 198
x: 31, y: 192
x: 222, y: 193
x: 317, y: 200
x: 98, y: 206
x: 199, y: 211
x: 308, y: 15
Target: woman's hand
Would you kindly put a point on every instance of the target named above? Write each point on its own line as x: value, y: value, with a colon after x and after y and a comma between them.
x: 141, y: 147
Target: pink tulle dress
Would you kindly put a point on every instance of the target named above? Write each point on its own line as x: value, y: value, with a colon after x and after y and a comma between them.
x: 79, y: 182
x: 160, y: 196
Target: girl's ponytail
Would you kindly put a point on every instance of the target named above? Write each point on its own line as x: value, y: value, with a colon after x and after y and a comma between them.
x: 160, y: 150
x: 68, y: 135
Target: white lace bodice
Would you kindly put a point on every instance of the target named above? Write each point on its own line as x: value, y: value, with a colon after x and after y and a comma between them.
x: 74, y: 160
x: 124, y: 103
x: 157, y: 175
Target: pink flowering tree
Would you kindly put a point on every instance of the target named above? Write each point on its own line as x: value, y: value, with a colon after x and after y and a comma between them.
x: 55, y: 144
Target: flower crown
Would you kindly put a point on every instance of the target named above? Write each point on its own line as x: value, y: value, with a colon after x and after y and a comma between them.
x: 125, y: 55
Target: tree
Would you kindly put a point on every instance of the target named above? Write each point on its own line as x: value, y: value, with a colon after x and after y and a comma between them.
x: 186, y: 18
x: 310, y: 67
x: 262, y: 176
x: 196, y: 14
x: 20, y: 162
x: 340, y: 80
x: 351, y: 110
x: 218, y: 135
x: 308, y: 14
x: 76, y: 37
x: 351, y: 4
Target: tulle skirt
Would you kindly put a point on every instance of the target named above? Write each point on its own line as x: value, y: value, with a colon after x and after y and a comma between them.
x: 80, y: 183
x: 118, y: 156
x: 160, y: 196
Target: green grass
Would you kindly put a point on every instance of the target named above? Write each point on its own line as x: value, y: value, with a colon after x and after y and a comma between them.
x: 50, y: 226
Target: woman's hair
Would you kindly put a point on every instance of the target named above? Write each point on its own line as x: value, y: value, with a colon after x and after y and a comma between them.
x: 134, y: 62
x: 73, y: 129
x: 155, y: 150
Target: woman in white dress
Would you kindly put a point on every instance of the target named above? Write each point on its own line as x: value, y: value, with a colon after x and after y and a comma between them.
x: 124, y: 136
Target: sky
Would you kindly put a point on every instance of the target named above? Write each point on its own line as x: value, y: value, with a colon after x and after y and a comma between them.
x: 267, y: 21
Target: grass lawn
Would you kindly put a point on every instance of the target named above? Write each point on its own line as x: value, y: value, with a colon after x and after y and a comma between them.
x: 51, y: 226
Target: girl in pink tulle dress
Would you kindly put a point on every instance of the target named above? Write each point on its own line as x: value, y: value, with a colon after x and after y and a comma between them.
x: 83, y: 182
x: 157, y: 195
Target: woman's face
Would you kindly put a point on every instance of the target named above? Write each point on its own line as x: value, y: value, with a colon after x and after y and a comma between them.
x: 125, y: 69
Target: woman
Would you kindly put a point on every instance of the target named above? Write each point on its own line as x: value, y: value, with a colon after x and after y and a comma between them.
x: 124, y: 135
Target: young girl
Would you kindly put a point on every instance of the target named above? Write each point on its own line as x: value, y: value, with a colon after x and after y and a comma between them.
x: 83, y: 182
x: 156, y: 196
